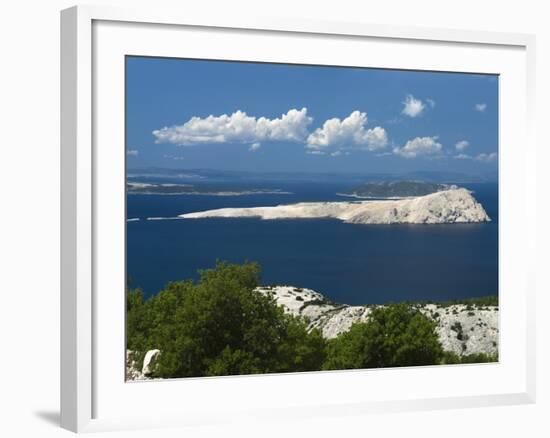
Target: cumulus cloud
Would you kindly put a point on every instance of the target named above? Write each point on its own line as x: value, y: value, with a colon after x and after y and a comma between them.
x: 132, y: 152
x: 255, y: 146
x: 237, y: 128
x: 462, y: 145
x: 348, y: 133
x: 419, y: 146
x: 413, y: 107
x: 431, y: 102
x: 481, y: 107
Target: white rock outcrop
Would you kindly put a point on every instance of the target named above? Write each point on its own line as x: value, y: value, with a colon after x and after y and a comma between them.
x: 450, y: 206
x: 149, y: 362
x: 462, y: 329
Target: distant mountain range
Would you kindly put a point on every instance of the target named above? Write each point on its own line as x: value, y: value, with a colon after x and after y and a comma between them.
x: 214, y: 175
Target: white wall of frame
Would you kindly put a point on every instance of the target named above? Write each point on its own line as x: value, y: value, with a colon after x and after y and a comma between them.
x: 29, y: 223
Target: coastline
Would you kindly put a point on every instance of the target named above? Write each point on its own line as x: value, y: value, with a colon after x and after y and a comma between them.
x: 450, y: 206
x: 228, y: 193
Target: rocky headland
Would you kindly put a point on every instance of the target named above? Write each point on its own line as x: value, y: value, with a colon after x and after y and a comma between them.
x: 456, y: 205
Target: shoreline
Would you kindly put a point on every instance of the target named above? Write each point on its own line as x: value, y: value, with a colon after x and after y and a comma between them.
x: 450, y: 206
x: 244, y: 193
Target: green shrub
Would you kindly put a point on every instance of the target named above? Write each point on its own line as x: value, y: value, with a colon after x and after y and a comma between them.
x: 452, y: 358
x: 394, y: 335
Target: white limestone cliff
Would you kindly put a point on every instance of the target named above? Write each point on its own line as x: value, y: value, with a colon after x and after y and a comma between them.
x: 450, y: 206
x: 462, y: 329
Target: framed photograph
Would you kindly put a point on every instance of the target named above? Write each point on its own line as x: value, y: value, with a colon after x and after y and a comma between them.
x: 273, y: 218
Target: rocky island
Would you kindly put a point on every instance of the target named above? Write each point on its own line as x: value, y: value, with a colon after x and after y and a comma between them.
x: 454, y: 205
x: 143, y: 188
x: 395, y: 189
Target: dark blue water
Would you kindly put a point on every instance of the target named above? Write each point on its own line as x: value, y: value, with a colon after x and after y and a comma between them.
x: 355, y: 264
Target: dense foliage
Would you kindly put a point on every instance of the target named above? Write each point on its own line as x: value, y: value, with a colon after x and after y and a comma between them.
x: 452, y: 358
x: 394, y: 335
x: 221, y: 326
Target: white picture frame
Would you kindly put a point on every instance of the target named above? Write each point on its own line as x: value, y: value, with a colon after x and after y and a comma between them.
x: 91, y: 37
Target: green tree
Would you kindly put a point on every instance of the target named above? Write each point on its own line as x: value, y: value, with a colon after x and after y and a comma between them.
x: 221, y: 326
x: 394, y: 335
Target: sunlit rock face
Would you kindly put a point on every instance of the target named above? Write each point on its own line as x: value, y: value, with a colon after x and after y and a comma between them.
x: 449, y: 206
x: 462, y: 329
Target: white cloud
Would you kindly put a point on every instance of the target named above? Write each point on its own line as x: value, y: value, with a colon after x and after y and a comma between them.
x: 487, y: 158
x: 315, y: 152
x: 336, y: 154
x: 463, y: 157
x: 431, y: 102
x: 484, y: 158
x: 413, y: 107
x: 132, y: 152
x: 462, y: 145
x: 481, y: 107
x: 348, y: 133
x: 255, y: 146
x: 419, y: 146
x: 237, y: 128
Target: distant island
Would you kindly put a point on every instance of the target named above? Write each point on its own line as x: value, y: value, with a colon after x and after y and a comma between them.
x: 395, y: 189
x: 142, y: 188
x: 351, y: 178
x: 455, y: 205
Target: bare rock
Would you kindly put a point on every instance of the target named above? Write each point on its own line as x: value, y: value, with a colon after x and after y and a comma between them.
x: 149, y: 362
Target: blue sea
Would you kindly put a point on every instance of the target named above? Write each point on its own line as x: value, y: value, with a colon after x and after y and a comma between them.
x: 348, y: 263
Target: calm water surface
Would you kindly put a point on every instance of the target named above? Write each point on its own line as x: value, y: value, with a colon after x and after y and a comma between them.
x: 349, y: 263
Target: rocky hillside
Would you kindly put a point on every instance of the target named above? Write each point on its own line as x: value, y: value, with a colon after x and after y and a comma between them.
x: 462, y: 328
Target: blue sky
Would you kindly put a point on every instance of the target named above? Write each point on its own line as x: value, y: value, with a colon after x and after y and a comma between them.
x: 272, y: 117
